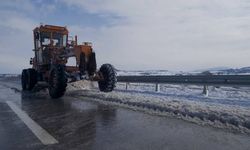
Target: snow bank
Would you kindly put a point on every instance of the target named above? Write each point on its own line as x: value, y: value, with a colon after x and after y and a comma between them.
x: 80, y: 85
x: 221, y: 109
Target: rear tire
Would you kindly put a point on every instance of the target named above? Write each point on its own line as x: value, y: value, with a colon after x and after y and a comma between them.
x: 82, y: 65
x: 109, y: 75
x: 31, y: 79
x: 92, y: 64
x: 24, y: 79
x: 57, y: 81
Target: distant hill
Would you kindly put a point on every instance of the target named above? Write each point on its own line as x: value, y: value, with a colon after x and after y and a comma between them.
x: 242, y: 71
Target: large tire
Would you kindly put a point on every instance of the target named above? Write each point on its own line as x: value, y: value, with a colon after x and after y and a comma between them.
x: 82, y: 65
x: 57, y: 81
x: 24, y: 79
x: 109, y: 75
x: 92, y: 64
x: 31, y: 79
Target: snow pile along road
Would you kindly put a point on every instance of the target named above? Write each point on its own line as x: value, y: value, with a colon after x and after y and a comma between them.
x: 226, y: 108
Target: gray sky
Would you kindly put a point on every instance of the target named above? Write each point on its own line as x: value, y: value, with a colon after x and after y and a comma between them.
x: 134, y: 34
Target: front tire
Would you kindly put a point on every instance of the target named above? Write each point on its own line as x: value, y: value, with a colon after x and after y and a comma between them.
x: 109, y: 78
x: 57, y: 81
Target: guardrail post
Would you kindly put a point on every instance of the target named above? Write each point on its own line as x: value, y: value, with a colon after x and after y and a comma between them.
x: 126, y: 85
x: 157, y: 87
x: 205, y: 90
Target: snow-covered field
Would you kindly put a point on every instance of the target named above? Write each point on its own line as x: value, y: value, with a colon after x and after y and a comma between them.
x: 8, y: 75
x: 145, y: 73
x: 218, y: 70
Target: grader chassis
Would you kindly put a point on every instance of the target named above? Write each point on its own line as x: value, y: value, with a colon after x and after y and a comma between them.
x: 53, y: 47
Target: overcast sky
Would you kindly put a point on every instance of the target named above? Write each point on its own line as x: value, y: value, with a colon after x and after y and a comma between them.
x: 134, y: 34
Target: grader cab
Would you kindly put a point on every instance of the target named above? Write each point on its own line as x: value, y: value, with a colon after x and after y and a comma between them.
x: 53, y: 47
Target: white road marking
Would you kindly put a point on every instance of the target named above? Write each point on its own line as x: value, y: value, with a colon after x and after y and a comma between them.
x: 40, y: 133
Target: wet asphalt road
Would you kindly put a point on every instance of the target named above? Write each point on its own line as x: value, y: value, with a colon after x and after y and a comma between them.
x: 79, y: 123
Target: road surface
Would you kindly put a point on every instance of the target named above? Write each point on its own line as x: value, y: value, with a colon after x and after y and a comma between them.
x: 34, y: 121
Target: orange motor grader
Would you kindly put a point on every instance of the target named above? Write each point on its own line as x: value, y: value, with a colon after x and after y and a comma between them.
x: 53, y: 47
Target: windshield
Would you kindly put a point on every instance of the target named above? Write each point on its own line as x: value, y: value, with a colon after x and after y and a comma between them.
x: 53, y: 39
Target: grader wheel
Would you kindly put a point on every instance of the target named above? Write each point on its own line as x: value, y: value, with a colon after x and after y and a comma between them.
x: 57, y: 81
x: 109, y: 75
x: 29, y: 79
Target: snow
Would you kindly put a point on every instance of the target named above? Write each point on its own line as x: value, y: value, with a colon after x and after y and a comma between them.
x: 217, y: 70
x: 8, y: 75
x: 144, y: 72
x: 224, y: 107
x: 83, y: 85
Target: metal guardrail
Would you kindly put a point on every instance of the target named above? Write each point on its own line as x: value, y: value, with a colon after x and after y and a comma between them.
x: 205, y: 80
x: 223, y: 80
